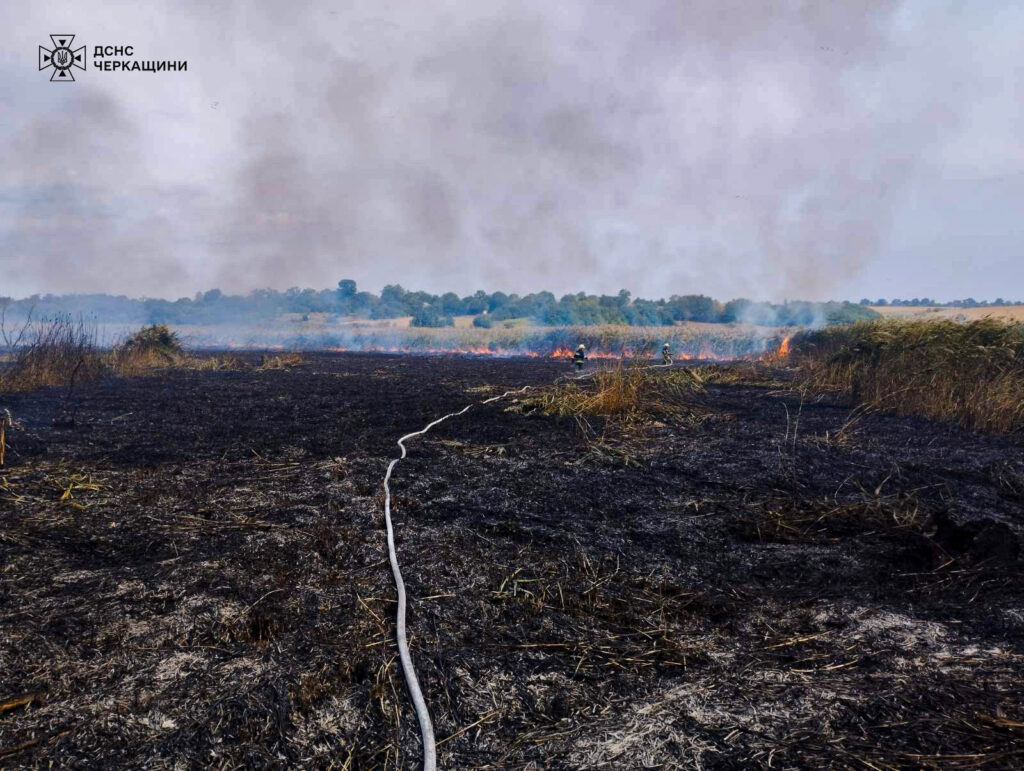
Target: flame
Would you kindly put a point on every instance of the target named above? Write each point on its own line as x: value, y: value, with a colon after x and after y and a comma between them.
x: 705, y: 354
x: 625, y: 353
x: 482, y: 350
x: 782, y: 352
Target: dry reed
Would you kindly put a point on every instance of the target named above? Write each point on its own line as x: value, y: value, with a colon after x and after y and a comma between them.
x: 971, y: 374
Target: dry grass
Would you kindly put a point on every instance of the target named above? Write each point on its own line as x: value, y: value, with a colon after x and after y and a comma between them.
x: 142, y: 362
x: 752, y: 373
x: 283, y: 361
x: 971, y: 374
x: 789, y: 521
x: 61, y: 352
x: 155, y: 348
x: 54, y: 352
x: 938, y: 312
x: 4, y: 419
x: 707, y: 340
x: 627, y: 394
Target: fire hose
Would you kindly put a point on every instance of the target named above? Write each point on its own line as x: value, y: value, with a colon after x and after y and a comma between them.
x: 408, y: 670
x: 415, y: 692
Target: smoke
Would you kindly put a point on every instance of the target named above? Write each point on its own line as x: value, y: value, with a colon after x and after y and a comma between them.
x: 75, y: 215
x: 722, y: 147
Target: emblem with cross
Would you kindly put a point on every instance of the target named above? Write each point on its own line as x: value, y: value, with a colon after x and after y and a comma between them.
x: 62, y: 58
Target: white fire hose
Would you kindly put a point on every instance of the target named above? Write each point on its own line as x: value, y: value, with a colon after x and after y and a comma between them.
x: 415, y: 692
x: 408, y: 670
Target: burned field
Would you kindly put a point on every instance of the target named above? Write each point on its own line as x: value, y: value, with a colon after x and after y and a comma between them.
x: 194, y: 573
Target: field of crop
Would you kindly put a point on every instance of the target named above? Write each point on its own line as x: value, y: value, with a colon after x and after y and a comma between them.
x: 717, y: 569
x: 1005, y: 312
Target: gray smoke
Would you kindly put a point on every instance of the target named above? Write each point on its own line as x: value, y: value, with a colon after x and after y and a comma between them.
x: 725, y: 147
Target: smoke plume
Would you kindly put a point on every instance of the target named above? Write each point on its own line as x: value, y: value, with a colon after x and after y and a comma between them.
x: 724, y: 147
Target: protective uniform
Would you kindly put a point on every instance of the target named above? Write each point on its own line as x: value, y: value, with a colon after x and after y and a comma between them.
x: 666, y: 355
x: 579, y: 357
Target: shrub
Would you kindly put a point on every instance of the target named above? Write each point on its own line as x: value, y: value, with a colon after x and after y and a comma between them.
x: 148, y: 348
x: 155, y: 337
x: 483, y: 321
x: 431, y: 317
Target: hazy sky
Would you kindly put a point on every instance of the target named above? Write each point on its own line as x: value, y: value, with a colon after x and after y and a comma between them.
x: 730, y: 147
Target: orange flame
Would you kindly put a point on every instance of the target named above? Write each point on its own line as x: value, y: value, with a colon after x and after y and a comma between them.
x: 705, y: 354
x: 782, y: 352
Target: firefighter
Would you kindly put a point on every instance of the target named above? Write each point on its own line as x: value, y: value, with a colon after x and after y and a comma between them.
x: 666, y: 355
x: 579, y: 357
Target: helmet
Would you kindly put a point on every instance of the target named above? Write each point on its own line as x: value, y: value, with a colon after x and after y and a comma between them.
x: 665, y: 345
x: 580, y: 348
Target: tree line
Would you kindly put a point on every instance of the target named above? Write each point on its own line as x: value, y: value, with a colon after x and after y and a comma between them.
x: 968, y: 302
x: 431, y: 310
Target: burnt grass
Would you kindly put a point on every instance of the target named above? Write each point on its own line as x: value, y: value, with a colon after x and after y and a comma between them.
x: 194, y: 575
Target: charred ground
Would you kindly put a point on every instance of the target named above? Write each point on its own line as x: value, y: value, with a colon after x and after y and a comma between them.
x: 194, y: 573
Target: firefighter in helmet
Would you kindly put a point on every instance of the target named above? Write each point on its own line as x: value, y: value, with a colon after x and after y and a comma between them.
x: 666, y: 355
x: 580, y: 356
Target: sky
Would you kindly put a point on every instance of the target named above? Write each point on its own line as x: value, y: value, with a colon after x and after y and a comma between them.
x: 772, y: 150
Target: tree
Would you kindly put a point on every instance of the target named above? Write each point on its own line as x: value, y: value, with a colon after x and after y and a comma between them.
x: 734, y: 310
x: 476, y: 303
x: 691, y: 307
x: 429, y: 317
x: 450, y: 303
x: 497, y: 300
x: 363, y: 303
